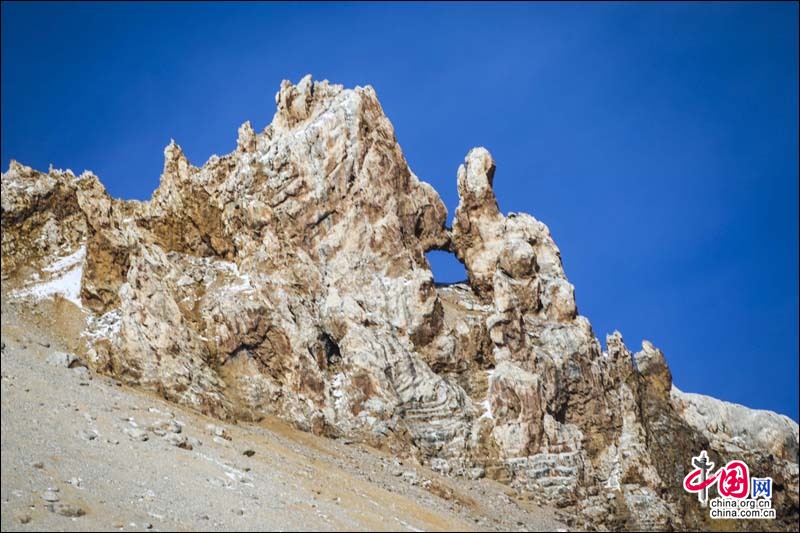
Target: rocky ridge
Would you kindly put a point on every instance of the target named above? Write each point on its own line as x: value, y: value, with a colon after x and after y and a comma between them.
x: 289, y: 278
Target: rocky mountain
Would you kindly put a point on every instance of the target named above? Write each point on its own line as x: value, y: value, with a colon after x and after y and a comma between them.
x: 289, y: 278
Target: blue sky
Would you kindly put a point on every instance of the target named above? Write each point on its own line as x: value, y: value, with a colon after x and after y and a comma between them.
x: 657, y: 141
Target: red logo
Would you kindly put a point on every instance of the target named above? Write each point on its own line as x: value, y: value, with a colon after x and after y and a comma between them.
x: 732, y: 480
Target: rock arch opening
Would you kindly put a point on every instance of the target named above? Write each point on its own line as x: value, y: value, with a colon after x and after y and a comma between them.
x: 446, y: 268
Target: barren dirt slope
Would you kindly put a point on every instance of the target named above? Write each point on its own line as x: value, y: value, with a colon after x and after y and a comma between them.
x: 73, y: 444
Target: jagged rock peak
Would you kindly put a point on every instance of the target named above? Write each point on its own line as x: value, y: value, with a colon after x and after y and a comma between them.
x: 475, y: 179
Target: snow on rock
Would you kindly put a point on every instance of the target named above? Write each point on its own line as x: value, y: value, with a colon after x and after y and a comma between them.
x: 487, y: 404
x: 105, y: 326
x: 66, y: 273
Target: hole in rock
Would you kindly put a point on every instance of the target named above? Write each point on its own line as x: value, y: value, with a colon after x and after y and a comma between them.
x: 561, y: 414
x: 446, y: 268
x: 332, y: 353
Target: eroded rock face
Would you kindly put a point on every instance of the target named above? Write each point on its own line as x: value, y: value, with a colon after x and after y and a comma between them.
x: 289, y: 277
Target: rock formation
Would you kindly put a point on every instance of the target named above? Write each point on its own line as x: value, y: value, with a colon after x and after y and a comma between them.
x: 290, y: 277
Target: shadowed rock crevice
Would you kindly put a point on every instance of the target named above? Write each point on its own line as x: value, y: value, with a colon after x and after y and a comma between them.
x: 332, y: 354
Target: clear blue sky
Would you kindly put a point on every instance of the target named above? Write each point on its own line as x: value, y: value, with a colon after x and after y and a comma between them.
x: 658, y: 141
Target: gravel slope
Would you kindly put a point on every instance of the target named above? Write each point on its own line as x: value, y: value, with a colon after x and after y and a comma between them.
x: 72, y: 444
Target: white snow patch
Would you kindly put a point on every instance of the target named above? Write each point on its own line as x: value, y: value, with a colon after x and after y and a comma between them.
x: 69, y: 261
x: 104, y: 326
x: 231, y: 472
x: 613, y: 480
x: 66, y: 283
x: 336, y: 391
x: 487, y: 405
x: 241, y: 283
x: 407, y: 525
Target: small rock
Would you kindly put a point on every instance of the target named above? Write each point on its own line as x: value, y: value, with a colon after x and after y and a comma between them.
x: 218, y: 431
x: 249, y: 453
x: 22, y: 516
x: 179, y: 440
x: 136, y: 434
x: 147, y: 525
x: 476, y: 473
x: 38, y: 464
x: 65, y: 360
x: 65, y: 509
x: 82, y: 372
x: 49, y: 496
x: 239, y: 512
x: 411, y: 477
x: 87, y: 434
x: 381, y: 429
x: 215, y: 482
x: 75, y: 482
x: 62, y: 359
